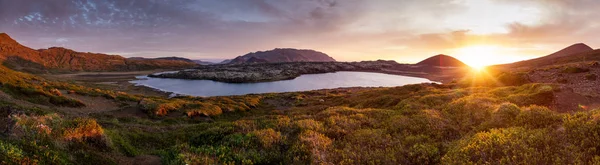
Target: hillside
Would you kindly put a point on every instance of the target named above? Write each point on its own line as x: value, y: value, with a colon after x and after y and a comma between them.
x: 574, y: 53
x: 163, y: 58
x: 203, y: 62
x: 57, y: 59
x: 282, y: 55
x: 48, y: 122
x: 571, y: 50
x: 441, y: 61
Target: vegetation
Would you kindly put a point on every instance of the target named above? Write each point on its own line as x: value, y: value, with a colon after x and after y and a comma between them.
x: 509, y: 122
x: 572, y: 69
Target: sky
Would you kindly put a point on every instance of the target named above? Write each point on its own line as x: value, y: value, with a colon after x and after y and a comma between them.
x: 475, y: 31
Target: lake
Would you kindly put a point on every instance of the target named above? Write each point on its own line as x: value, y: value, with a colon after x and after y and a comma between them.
x: 302, y: 83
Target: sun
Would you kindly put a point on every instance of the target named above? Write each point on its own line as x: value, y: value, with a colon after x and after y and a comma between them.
x: 479, y: 56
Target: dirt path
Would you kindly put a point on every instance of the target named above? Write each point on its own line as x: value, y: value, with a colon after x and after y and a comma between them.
x: 92, y: 104
x: 577, y: 90
x: 101, y: 76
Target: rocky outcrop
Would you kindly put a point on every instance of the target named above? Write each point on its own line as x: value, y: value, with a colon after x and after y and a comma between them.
x: 258, y: 72
x: 264, y: 72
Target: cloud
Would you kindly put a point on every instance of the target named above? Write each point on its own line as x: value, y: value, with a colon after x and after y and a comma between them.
x: 346, y: 29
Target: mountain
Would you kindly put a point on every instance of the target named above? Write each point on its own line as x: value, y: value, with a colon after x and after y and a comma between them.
x: 575, y: 53
x: 441, y: 61
x: 283, y: 55
x: 203, y: 62
x: 166, y: 58
x: 175, y: 59
x: 59, y: 59
x: 573, y: 49
x: 256, y: 60
x: 226, y: 61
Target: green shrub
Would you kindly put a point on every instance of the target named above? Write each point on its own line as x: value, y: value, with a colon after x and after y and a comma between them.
x: 469, y: 112
x: 317, y: 144
x: 268, y: 137
x: 531, y: 94
x: 122, y: 144
x: 67, y: 102
x: 365, y: 146
x: 572, y: 69
x: 538, y: 117
x: 309, y: 124
x: 503, y: 117
x: 513, y: 79
x: 11, y: 154
x: 582, y: 129
x: 211, y: 136
x: 509, y: 146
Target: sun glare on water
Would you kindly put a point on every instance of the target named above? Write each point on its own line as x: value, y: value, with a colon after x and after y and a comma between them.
x: 479, y: 56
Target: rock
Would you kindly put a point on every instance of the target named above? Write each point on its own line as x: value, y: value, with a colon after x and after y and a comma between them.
x: 55, y: 92
x: 321, y: 100
x: 71, y: 92
x: 265, y: 72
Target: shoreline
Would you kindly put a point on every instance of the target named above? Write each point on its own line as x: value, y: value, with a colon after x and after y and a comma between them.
x: 121, y: 81
x: 286, y: 85
x: 117, y: 81
x: 256, y: 73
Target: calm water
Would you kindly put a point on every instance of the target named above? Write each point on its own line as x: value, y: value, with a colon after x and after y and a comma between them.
x: 302, y: 83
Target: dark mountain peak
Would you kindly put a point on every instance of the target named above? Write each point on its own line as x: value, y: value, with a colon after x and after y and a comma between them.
x: 256, y: 60
x: 59, y: 48
x: 573, y: 49
x: 283, y: 55
x: 580, y: 45
x: 174, y: 58
x: 4, y: 35
x: 573, y: 53
x: 5, y: 38
x: 442, y: 60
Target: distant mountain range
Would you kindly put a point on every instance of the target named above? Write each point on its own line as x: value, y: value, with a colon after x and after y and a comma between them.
x: 57, y: 59
x: 176, y: 59
x: 282, y: 55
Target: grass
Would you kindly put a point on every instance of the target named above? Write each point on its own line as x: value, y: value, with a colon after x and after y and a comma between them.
x: 414, y: 124
x: 572, y: 69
